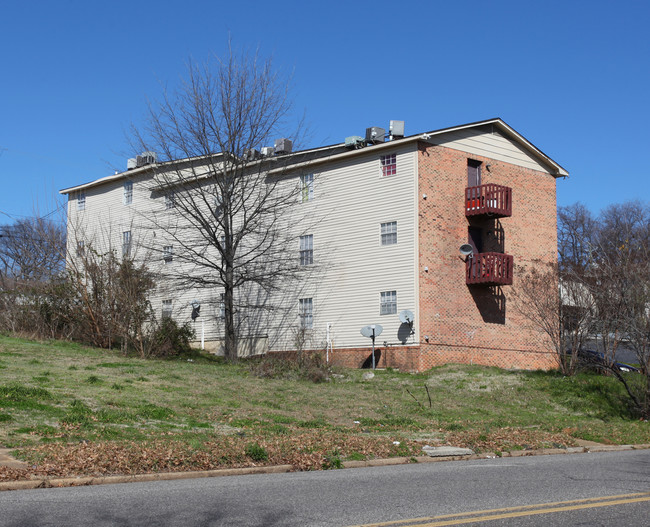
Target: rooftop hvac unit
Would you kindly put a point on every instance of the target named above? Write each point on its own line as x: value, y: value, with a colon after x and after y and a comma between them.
x: 375, y: 135
x: 354, y: 141
x: 283, y: 146
x: 146, y: 158
x: 251, y: 154
x: 131, y: 163
x: 396, y: 129
x: 267, y: 151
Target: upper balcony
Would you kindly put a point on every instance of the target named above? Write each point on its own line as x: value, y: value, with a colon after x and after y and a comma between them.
x: 489, y: 269
x: 489, y: 200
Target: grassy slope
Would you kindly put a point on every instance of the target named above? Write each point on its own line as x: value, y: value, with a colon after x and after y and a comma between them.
x: 58, y: 401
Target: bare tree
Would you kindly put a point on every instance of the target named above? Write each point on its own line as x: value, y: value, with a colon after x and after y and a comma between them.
x: 561, y: 309
x: 32, y: 249
x: 32, y: 256
x: 229, y: 222
x: 604, y: 294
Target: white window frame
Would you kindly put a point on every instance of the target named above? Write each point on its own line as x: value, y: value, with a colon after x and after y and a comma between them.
x: 388, y: 233
x: 167, y: 309
x: 81, y: 200
x: 307, y: 187
x: 168, y: 254
x: 128, y: 193
x: 222, y: 306
x: 388, y: 303
x: 306, y: 313
x: 81, y: 248
x: 126, y: 243
x: 388, y: 165
x: 307, y: 249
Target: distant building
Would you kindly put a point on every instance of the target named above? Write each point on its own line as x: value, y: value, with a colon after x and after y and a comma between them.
x: 427, y: 228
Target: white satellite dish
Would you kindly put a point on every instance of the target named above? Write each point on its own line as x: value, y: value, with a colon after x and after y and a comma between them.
x: 466, y: 250
x: 371, y: 331
x: 406, y: 316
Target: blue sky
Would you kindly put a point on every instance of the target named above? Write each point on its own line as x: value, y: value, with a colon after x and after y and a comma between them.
x: 571, y: 76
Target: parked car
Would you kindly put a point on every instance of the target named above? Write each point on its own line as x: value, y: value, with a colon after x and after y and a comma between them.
x: 596, y: 358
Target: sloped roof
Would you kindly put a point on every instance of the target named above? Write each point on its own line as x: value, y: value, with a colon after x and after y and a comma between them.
x: 338, y: 151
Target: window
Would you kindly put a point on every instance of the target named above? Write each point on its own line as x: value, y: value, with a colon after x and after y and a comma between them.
x: 307, y: 187
x: 388, y: 165
x: 306, y: 313
x: 81, y: 200
x: 81, y: 248
x: 388, y: 303
x: 389, y: 233
x: 126, y: 243
x: 473, y: 173
x: 307, y: 249
x: 128, y: 192
x: 218, y: 206
x: 170, y: 201
x: 168, y: 253
x: 166, y: 309
x: 222, y: 305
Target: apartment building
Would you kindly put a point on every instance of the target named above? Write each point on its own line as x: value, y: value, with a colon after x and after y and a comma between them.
x: 423, y: 236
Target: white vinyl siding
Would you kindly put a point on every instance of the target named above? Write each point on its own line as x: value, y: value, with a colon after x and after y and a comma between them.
x: 350, y: 273
x: 489, y: 144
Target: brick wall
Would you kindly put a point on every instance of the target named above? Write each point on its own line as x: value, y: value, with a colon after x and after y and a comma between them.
x: 405, y: 358
x: 479, y: 324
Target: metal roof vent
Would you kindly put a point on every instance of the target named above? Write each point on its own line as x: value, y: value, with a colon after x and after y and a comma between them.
x: 283, y: 146
x: 131, y: 163
x: 375, y: 135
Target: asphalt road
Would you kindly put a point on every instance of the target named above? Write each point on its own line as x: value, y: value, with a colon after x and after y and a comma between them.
x: 581, y: 489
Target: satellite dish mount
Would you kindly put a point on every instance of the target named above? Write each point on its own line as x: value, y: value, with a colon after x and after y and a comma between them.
x: 372, y: 331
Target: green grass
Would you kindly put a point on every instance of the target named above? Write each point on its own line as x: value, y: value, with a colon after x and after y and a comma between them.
x: 63, y: 392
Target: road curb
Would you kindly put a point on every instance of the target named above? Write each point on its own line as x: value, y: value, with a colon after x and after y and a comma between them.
x: 279, y: 469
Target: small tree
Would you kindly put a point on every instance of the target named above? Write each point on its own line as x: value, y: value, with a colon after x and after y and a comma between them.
x: 230, y: 210
x: 604, y: 276
x: 560, y: 309
x: 110, y: 299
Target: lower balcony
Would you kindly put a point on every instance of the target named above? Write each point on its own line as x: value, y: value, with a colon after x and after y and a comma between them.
x: 489, y: 269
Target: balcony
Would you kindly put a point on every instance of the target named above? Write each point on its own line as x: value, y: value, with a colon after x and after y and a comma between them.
x: 489, y: 200
x: 489, y: 269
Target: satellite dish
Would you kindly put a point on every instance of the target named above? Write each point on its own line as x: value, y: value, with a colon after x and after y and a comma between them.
x: 196, y: 308
x: 373, y: 330
x: 466, y: 250
x: 406, y: 316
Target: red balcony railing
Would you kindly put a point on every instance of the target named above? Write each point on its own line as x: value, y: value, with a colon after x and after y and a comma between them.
x: 493, y: 200
x: 489, y: 269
